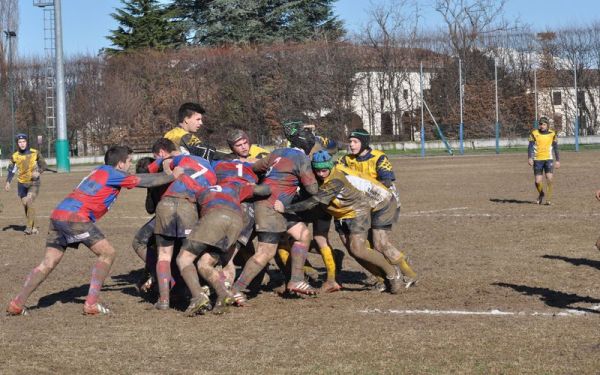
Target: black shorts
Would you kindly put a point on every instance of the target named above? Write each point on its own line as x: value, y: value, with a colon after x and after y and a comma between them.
x: 64, y: 234
x: 30, y: 188
x: 541, y: 167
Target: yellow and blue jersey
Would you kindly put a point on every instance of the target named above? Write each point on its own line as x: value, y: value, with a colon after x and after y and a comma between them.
x: 183, y: 139
x: 257, y: 152
x: 25, y: 163
x: 374, y: 163
x: 543, y: 145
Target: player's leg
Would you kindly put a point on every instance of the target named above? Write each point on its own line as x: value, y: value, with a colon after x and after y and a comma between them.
x: 185, y: 261
x: 395, y: 257
x: 538, y: 179
x: 163, y: 270
x: 298, y: 253
x: 321, y: 227
x: 31, y: 192
x: 265, y: 251
x: 52, y: 258
x: 549, y: 172
x: 106, y: 256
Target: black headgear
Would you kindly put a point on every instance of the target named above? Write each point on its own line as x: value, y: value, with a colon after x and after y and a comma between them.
x: 303, y: 139
x: 363, y: 136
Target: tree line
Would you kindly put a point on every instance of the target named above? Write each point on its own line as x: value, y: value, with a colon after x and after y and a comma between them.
x: 273, y: 60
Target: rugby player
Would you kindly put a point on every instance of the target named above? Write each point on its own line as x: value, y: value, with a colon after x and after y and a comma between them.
x: 73, y: 222
x: 543, y: 157
x: 30, y: 164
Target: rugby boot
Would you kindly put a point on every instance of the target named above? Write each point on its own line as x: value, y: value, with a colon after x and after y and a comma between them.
x: 95, y: 309
x: 161, y: 305
x: 540, y: 198
x: 14, y: 310
x: 395, y: 284
x: 222, y: 305
x: 29, y: 231
x: 198, y: 305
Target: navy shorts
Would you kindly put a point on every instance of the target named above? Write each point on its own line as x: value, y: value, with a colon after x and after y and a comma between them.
x: 541, y: 167
x: 64, y: 234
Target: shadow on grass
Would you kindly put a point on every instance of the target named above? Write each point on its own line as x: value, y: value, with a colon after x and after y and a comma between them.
x: 575, y: 261
x: 515, y: 201
x: 554, y: 298
x: 14, y: 227
x: 72, y: 295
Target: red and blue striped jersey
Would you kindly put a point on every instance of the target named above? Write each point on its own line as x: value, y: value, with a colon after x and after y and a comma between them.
x: 285, y: 169
x: 224, y: 197
x: 234, y: 171
x: 94, y: 195
x: 198, y: 175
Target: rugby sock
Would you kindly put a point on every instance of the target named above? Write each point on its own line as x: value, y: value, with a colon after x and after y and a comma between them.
x: 327, y: 256
x: 33, y: 280
x: 284, y: 255
x: 30, y: 213
x: 251, y: 269
x: 298, y: 255
x: 539, y: 187
x: 213, y: 278
x: 405, y: 268
x: 549, y: 185
x: 163, y: 274
x: 99, y: 273
x: 190, y: 276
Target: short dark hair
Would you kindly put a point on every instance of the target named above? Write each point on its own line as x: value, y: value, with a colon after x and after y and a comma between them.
x: 188, y: 109
x: 142, y: 165
x: 116, y: 154
x: 163, y: 144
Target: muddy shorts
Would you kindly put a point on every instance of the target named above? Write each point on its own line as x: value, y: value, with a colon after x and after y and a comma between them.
x: 30, y: 188
x: 320, y: 220
x: 356, y: 225
x: 218, y: 229
x: 385, y: 217
x: 541, y: 167
x: 270, y: 221
x: 175, y: 217
x: 248, y: 223
x: 64, y: 234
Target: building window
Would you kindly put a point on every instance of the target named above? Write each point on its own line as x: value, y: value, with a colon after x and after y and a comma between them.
x: 405, y: 94
x: 556, y: 98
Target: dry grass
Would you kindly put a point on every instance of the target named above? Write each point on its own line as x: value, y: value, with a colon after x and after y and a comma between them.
x: 470, y: 228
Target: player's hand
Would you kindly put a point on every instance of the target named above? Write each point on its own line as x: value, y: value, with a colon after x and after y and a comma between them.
x: 278, y: 206
x: 7, y: 186
x: 557, y: 164
x: 35, y: 175
x: 166, y: 166
x: 177, y: 171
x: 530, y: 162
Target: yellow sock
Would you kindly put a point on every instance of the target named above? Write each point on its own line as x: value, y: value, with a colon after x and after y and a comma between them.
x: 539, y: 187
x: 548, y: 190
x: 283, y: 255
x: 327, y: 256
x: 405, y: 268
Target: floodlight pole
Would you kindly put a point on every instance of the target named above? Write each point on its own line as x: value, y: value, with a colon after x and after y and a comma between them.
x: 62, y: 141
x: 535, y: 121
x: 422, y: 113
x: 461, y: 125
x: 497, y: 117
x: 576, y: 109
x: 9, y: 37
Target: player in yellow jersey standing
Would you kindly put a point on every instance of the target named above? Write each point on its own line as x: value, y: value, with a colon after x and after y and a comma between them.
x: 28, y: 164
x: 543, y: 157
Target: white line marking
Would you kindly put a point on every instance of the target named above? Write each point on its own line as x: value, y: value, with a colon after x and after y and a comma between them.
x: 112, y: 217
x: 474, y: 215
x: 567, y: 312
x: 434, y: 211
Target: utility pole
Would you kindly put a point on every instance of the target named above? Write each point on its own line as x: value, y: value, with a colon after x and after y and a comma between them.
x: 62, y: 142
x: 10, y: 35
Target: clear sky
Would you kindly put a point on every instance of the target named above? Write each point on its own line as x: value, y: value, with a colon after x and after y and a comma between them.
x: 86, y: 23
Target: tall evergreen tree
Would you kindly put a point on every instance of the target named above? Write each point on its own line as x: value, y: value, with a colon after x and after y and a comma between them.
x: 217, y: 22
x: 145, y: 24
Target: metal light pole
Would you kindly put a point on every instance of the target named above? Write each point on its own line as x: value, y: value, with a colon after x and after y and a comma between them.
x: 497, y: 117
x: 62, y: 142
x: 461, y: 126
x: 535, y: 122
x: 576, y: 109
x: 422, y: 113
x: 9, y: 37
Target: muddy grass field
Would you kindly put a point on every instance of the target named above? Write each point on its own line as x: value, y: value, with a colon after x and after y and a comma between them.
x: 507, y: 287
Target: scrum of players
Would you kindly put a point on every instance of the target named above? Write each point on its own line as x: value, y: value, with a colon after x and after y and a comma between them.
x: 209, y: 208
